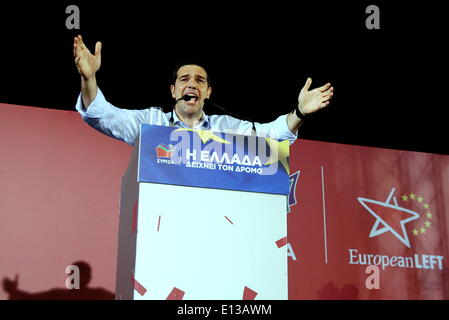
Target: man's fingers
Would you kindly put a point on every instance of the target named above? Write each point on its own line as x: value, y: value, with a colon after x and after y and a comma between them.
x: 307, y: 85
x: 326, y: 98
x: 324, y: 88
x: 324, y: 104
x: 81, y: 44
x: 328, y: 94
x: 76, y: 47
x: 98, y: 46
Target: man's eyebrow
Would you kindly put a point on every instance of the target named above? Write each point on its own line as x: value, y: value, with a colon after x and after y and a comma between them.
x: 196, y: 76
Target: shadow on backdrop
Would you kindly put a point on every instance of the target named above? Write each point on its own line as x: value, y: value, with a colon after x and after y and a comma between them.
x: 83, y: 293
x: 331, y: 292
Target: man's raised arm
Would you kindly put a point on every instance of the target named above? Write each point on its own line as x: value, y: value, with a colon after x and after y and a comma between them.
x: 309, y: 101
x: 87, y: 65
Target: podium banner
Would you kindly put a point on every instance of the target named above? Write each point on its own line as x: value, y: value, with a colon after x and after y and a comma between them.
x: 190, y: 157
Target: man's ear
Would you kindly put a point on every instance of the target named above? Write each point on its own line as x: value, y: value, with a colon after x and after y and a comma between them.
x: 209, y: 91
x: 172, y: 89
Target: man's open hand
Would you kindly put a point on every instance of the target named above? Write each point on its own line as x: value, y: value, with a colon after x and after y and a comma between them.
x: 86, y: 62
x: 314, y: 100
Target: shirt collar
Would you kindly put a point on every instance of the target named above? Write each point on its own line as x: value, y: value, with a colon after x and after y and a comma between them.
x: 204, y: 121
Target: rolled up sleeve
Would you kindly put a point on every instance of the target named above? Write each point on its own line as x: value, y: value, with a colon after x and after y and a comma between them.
x: 121, y: 124
x: 277, y: 129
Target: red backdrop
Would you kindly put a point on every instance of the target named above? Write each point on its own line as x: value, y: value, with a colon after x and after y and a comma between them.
x: 329, y: 227
x: 59, y: 189
x: 60, y: 182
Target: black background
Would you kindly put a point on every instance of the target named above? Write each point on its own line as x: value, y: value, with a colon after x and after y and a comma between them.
x: 390, y: 88
x: 389, y: 83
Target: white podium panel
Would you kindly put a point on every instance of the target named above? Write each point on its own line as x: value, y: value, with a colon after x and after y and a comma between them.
x: 203, y: 216
x: 210, y: 243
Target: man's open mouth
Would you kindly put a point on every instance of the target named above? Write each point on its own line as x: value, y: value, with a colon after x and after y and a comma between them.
x: 192, y: 97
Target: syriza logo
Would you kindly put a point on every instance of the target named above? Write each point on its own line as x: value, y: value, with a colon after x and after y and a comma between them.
x: 397, y: 216
x: 164, y: 153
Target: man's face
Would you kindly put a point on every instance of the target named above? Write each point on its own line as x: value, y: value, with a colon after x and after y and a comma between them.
x: 191, y: 80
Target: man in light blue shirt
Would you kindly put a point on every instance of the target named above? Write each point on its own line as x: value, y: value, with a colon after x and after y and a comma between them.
x: 190, y: 88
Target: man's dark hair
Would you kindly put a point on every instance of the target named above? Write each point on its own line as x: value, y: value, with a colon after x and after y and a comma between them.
x: 190, y: 63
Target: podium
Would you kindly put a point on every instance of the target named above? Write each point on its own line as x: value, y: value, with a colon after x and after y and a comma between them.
x: 203, y: 215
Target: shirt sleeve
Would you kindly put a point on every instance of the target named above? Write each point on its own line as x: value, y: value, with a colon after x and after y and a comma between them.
x: 121, y: 124
x: 277, y: 129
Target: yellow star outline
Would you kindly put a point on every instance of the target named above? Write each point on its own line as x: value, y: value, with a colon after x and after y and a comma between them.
x: 205, y: 135
x: 427, y: 224
x: 283, y: 151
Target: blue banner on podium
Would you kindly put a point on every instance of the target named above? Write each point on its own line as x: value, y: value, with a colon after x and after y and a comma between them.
x: 197, y: 158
